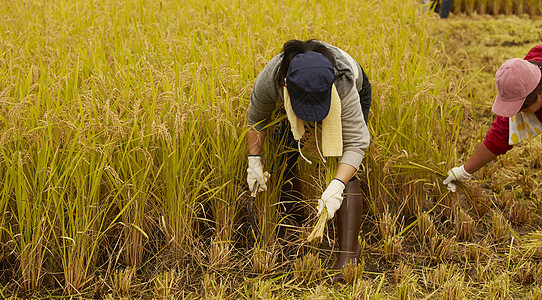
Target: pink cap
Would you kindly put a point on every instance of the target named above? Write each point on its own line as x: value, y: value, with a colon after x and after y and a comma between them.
x: 515, y: 80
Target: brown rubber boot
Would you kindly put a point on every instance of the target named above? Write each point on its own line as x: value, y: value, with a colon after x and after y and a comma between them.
x: 348, y: 220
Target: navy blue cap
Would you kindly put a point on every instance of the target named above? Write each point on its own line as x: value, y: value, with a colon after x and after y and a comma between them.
x: 309, y: 80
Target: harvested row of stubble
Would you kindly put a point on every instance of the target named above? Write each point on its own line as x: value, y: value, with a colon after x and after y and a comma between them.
x: 123, y: 137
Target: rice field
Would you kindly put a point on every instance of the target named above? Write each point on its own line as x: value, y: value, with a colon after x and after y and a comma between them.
x: 123, y: 153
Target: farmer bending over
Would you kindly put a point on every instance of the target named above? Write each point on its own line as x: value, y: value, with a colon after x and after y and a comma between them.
x: 519, y: 113
x: 315, y: 82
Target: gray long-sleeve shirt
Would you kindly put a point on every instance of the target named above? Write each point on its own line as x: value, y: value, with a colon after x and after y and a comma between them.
x: 266, y: 93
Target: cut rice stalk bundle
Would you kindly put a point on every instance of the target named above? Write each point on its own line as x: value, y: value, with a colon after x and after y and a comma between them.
x: 318, y: 229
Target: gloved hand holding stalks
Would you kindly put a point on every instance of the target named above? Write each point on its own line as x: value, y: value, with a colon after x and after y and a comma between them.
x: 255, y: 173
x: 328, y: 204
x: 457, y: 173
x: 331, y: 199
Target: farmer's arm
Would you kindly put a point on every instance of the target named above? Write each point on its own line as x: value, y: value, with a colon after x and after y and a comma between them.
x: 255, y: 141
x: 494, y: 144
x: 263, y: 99
x: 345, y: 172
x: 356, y: 137
x: 479, y: 158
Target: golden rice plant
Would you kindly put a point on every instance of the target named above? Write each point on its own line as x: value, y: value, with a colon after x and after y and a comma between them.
x: 535, y: 293
x: 470, y: 5
x: 520, y: 213
x: 529, y: 272
x: 448, y: 281
x: 28, y: 174
x: 478, y: 199
x: 499, y: 288
x: 220, y: 252
x: 123, y: 281
x: 224, y: 203
x: 402, y: 142
x: 130, y: 175
x: 213, y: 287
x: 362, y: 290
x: 482, y: 6
x: 518, y: 6
x: 533, y: 243
x: 387, y: 226
x: 439, y: 248
x: 407, y: 288
x: 508, y: 6
x: 353, y: 272
x: 183, y: 184
x: 391, y: 241
x: 317, y: 232
x: 454, y: 289
x: 329, y: 171
x: 267, y: 211
x: 441, y: 274
x: 81, y: 214
x: 476, y: 252
x: 426, y: 228
x: 500, y: 229
x: 401, y: 272
x: 265, y: 289
x: 392, y: 247
x: 166, y: 284
x: 496, y: 7
x: 308, y: 269
x: 506, y: 199
x: 264, y: 259
x: 486, y: 271
x: 6, y: 234
x: 464, y: 225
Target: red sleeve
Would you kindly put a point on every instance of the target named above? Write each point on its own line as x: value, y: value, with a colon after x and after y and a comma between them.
x: 497, y: 136
x: 535, y: 54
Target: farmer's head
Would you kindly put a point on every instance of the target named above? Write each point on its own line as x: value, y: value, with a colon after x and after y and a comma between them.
x: 307, y: 69
x: 519, y: 87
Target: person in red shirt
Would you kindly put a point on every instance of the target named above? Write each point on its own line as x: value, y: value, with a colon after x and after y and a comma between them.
x: 519, y: 90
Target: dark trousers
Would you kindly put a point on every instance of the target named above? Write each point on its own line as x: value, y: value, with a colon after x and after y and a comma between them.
x: 442, y: 7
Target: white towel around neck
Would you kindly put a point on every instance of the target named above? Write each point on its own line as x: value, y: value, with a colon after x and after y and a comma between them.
x: 332, y: 138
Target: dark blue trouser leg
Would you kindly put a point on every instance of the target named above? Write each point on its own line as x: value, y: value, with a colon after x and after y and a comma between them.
x: 365, y: 97
x: 290, y: 196
x: 445, y: 8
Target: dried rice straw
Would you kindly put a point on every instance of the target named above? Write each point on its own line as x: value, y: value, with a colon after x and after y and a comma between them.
x: 318, y: 229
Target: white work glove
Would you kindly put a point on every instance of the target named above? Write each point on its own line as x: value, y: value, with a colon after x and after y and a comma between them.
x: 457, y: 173
x: 255, y: 173
x: 332, y: 198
